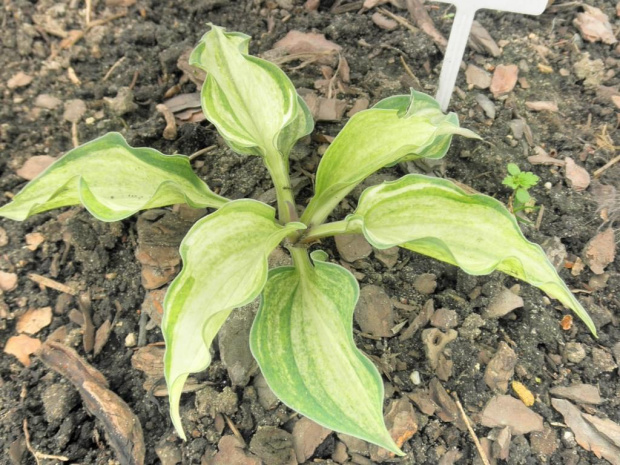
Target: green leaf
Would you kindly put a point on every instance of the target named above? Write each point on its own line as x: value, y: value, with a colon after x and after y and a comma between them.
x: 510, y: 182
x: 529, y: 179
x: 522, y: 195
x: 397, y: 129
x: 113, y: 181
x: 475, y: 232
x: 420, y: 103
x: 224, y: 267
x: 513, y: 169
x: 251, y: 102
x: 302, y: 340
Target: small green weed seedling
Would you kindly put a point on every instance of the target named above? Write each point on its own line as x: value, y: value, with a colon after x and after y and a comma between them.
x: 520, y: 182
x: 302, y: 334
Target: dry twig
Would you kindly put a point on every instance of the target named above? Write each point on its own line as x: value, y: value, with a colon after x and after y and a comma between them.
x: 606, y: 166
x: 39, y: 455
x: 483, y: 456
x: 48, y: 282
x: 424, y: 22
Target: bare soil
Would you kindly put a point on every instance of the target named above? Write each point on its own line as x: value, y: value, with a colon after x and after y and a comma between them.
x: 140, y: 49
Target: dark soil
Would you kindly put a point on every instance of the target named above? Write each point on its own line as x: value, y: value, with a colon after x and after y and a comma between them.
x: 100, y: 257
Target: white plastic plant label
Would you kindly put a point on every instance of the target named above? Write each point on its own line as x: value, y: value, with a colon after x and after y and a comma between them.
x: 463, y: 19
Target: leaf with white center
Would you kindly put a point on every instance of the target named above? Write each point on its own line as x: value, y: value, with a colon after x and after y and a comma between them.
x: 472, y: 231
x: 251, y: 102
x: 302, y: 340
x: 397, y: 129
x: 224, y: 267
x: 113, y: 181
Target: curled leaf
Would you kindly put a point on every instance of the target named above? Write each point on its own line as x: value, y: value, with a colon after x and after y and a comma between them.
x: 251, y: 102
x: 475, y: 232
x: 224, y: 267
x: 113, y: 181
x: 399, y: 128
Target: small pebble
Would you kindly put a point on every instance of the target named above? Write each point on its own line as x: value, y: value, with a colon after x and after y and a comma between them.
x: 574, y: 352
x: 415, y: 378
x: 130, y: 340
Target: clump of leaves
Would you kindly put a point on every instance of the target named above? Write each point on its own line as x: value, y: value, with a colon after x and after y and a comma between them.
x: 302, y: 334
x: 520, y: 182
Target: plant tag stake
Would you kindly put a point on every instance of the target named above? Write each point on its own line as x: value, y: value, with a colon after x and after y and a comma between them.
x: 463, y: 19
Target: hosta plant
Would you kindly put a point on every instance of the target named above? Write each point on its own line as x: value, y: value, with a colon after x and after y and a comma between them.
x: 302, y: 335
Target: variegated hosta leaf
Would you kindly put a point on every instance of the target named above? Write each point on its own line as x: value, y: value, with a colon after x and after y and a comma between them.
x: 224, y: 267
x: 302, y: 340
x: 251, y: 102
x: 424, y: 103
x: 396, y: 129
x: 472, y: 231
x: 113, y: 181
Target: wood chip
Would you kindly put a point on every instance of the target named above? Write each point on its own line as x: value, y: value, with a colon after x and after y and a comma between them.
x: 20, y: 79
x: 297, y: 42
x: 34, y: 240
x: 149, y: 360
x: 422, y: 19
x: 8, y: 281
x: 543, y: 158
x: 384, y: 23
x: 34, y: 166
x: 542, y: 106
x: 121, y: 425
x: 74, y: 110
x: 47, y: 101
x: 576, y: 176
x: 504, y: 79
x: 101, y: 336
x: 22, y: 347
x: 594, y: 25
x: 477, y: 77
x: 586, y: 435
x: 34, y: 320
x: 48, y: 282
x: 600, y: 251
x: 481, y: 41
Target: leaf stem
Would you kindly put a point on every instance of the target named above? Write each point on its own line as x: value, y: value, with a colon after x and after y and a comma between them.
x: 278, y: 169
x: 301, y: 259
x: 325, y: 230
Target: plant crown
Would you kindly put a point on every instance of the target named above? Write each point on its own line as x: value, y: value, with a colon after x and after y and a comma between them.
x: 302, y: 334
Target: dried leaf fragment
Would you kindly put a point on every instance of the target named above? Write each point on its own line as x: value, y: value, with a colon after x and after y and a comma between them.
x: 542, y: 106
x: 34, y: 320
x: 600, y: 251
x: 576, y: 176
x: 21, y: 79
x: 34, y: 240
x: 585, y: 434
x: 22, y: 347
x: 8, y: 281
x: 504, y: 79
x: 34, y: 166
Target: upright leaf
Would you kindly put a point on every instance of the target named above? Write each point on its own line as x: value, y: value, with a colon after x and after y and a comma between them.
x: 472, y: 231
x: 251, y: 102
x: 113, y: 181
x: 396, y: 129
x: 302, y: 340
x: 224, y: 267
